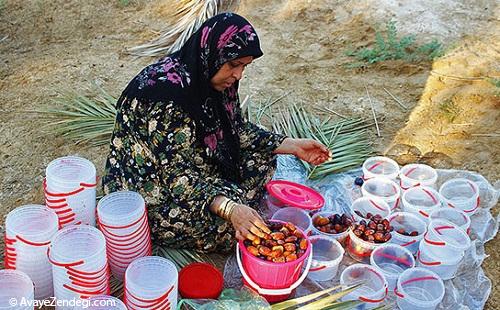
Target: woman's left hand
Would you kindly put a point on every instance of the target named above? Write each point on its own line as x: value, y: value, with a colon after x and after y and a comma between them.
x: 308, y: 150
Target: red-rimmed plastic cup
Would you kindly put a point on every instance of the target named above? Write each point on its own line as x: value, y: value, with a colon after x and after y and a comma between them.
x: 417, y: 175
x: 421, y: 200
x: 380, y: 166
x: 443, y: 265
x: 29, y: 230
x: 340, y: 237
x: 289, y: 194
x: 327, y: 255
x: 102, y: 302
x: 122, y: 217
x: 15, y: 284
x: 200, y: 281
x: 419, y: 288
x: 392, y: 259
x: 455, y: 216
x: 461, y: 194
x: 445, y: 238
x: 410, y: 223
x: 384, y: 189
x: 371, y: 205
x: 151, y: 283
x: 372, y: 292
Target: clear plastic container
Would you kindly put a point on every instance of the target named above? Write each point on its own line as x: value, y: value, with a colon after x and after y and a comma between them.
x: 358, y: 248
x: 455, y: 216
x: 421, y: 200
x: 446, y: 238
x: 341, y: 237
x: 327, y: 255
x: 443, y: 265
x: 392, y: 260
x: 384, y: 189
x: 66, y: 173
x: 461, y: 194
x: 370, y: 205
x: 419, y: 289
x: 372, y: 292
x: 380, y: 166
x: 296, y: 216
x: 121, y: 208
x: 151, y: 281
x: 409, y: 222
x: 15, y: 284
x: 417, y: 175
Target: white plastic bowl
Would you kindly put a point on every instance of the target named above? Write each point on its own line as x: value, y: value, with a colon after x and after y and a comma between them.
x: 455, y: 216
x: 380, y: 166
x: 409, y: 222
x: 445, y: 266
x: 384, y: 189
x: 392, y: 260
x: 340, y: 237
x: 372, y: 292
x: 371, y: 205
x: 417, y: 175
x: 327, y: 255
x: 446, y: 238
x: 419, y: 289
x: 421, y: 200
x: 462, y: 194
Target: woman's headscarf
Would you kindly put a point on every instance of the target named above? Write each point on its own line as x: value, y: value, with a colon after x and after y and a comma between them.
x: 183, y: 78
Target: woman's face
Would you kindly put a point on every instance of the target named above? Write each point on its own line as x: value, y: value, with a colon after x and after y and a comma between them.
x: 229, y: 73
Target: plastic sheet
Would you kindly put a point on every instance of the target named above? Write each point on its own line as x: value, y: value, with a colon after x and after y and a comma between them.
x: 468, y: 290
x: 230, y: 299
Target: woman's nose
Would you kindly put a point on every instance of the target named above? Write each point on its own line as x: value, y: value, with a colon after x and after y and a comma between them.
x: 238, y: 73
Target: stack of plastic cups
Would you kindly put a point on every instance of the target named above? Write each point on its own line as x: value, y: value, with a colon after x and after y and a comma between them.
x: 384, y: 189
x: 296, y: 216
x: 419, y: 289
x: 410, y: 223
x: 379, y: 166
x: 417, y: 175
x: 123, y: 220
x: 79, y: 264
x: 29, y: 230
x: 151, y: 283
x: 102, y: 302
x: 443, y: 248
x: 374, y: 288
x: 455, y: 216
x: 421, y: 200
x: 327, y: 255
x: 16, y: 290
x: 461, y: 194
x: 392, y: 259
x: 70, y: 190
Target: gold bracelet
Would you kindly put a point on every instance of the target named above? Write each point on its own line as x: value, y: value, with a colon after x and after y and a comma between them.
x: 220, y: 210
x: 228, y: 211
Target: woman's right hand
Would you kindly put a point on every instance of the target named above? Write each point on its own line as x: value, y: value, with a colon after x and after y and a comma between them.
x: 247, y: 223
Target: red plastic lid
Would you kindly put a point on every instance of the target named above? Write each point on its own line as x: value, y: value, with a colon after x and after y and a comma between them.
x: 295, y: 194
x: 200, y: 281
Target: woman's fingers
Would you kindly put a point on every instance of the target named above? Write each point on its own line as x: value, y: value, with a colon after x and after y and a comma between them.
x: 239, y: 236
x: 257, y: 221
x: 256, y: 231
x: 247, y: 234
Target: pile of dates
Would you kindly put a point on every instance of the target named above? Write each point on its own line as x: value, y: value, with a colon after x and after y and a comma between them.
x: 403, y: 232
x: 333, y: 224
x: 284, y: 244
x: 376, y: 230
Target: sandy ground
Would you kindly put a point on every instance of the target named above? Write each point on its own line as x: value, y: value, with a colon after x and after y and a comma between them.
x: 47, y: 47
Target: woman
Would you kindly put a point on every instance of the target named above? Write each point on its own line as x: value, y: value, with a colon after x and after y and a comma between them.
x: 181, y: 142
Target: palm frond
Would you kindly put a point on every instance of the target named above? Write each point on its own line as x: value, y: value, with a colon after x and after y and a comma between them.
x: 189, y: 14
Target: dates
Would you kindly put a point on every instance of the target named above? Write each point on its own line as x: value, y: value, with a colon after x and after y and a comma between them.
x: 333, y: 224
x: 377, y: 230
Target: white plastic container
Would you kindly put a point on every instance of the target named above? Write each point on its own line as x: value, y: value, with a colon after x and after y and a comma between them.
x: 445, y: 238
x: 103, y: 302
x: 327, y: 255
x: 296, y: 216
x: 421, y: 200
x: 409, y: 222
x: 461, y: 194
x: 380, y: 166
x: 370, y: 205
x: 373, y: 292
x: 384, y: 189
x: 419, y: 289
x: 392, y: 260
x: 455, y: 216
x: 417, y: 175
x: 15, y: 286
x: 340, y: 237
x: 151, y: 282
x: 445, y: 265
x: 358, y: 248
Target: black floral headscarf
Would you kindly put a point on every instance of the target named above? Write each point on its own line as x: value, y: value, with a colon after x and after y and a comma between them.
x: 183, y: 78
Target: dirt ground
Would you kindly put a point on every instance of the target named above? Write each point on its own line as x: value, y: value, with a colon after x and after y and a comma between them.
x: 47, y: 47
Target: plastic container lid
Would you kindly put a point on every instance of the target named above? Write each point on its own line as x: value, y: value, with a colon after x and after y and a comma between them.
x: 295, y: 194
x: 200, y: 281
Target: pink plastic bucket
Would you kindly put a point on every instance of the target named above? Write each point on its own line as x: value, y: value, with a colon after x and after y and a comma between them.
x: 274, y: 281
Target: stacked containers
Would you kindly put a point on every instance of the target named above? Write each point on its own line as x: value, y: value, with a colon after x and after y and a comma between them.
x: 70, y: 190
x: 16, y: 289
x: 409, y: 222
x: 379, y: 166
x: 417, y: 175
x: 151, y: 283
x: 443, y: 248
x: 421, y: 200
x: 29, y: 230
x: 383, y: 189
x: 289, y: 194
x: 461, y: 194
x: 419, y: 289
x: 123, y: 220
x: 392, y: 259
x: 455, y: 216
x: 79, y: 264
x: 374, y: 288
x: 327, y: 255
